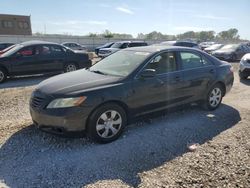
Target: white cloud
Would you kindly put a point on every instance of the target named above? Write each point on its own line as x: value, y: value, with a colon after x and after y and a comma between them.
x: 212, y: 17
x: 125, y: 10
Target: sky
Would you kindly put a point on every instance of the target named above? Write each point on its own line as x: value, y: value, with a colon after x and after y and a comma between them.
x: 81, y: 17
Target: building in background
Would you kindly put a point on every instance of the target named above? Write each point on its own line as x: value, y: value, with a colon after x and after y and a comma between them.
x: 15, y: 25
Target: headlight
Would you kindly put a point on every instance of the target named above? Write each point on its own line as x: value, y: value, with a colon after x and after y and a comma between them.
x: 243, y: 61
x: 66, y: 102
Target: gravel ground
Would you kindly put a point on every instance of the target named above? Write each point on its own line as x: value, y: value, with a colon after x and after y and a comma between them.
x: 152, y: 153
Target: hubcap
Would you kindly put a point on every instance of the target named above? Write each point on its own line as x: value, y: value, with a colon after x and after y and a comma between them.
x: 109, y: 124
x: 70, y: 68
x: 215, y: 97
x: 1, y: 76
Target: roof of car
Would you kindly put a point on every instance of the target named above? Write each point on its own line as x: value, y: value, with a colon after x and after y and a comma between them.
x: 33, y: 42
x: 159, y: 48
x: 129, y: 42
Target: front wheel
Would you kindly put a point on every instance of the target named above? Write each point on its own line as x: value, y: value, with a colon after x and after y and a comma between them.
x: 214, y: 98
x: 106, y: 123
x: 3, y: 75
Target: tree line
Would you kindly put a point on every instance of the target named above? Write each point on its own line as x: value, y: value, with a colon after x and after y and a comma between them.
x: 228, y: 35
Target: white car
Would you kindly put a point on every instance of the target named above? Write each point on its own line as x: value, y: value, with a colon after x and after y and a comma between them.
x: 244, y: 71
x: 75, y: 46
x: 104, y: 52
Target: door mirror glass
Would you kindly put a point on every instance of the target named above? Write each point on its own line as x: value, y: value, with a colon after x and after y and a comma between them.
x: 148, y: 73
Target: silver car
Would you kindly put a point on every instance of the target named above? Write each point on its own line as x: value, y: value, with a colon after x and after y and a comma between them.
x: 244, y: 71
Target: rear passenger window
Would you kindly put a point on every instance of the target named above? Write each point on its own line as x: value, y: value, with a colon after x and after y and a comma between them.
x: 190, y: 60
x: 56, y: 50
x: 44, y: 50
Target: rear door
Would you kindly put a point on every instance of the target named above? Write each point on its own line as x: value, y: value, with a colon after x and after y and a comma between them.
x: 51, y: 57
x: 198, y: 72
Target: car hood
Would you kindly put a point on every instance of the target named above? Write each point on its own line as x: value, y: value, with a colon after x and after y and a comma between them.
x: 75, y: 82
x: 110, y: 49
x: 2, y: 59
x: 246, y: 56
x: 223, y: 51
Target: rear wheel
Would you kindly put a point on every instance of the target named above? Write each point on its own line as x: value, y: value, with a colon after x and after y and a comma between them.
x: 3, y: 75
x: 214, y: 97
x: 70, y: 67
x: 106, y: 123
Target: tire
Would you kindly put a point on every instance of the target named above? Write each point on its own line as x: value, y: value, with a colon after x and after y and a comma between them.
x: 214, y: 97
x: 242, y: 76
x: 69, y: 67
x: 106, y: 123
x: 3, y: 75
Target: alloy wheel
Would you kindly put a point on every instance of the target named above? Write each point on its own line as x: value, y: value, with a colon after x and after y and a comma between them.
x: 70, y: 68
x: 215, y: 97
x: 1, y: 76
x: 109, y: 124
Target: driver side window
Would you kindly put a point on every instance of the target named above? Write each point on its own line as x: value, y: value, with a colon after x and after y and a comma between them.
x: 163, y: 63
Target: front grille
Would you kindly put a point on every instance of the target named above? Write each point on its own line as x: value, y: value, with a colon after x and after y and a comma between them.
x: 37, y: 102
x: 248, y: 61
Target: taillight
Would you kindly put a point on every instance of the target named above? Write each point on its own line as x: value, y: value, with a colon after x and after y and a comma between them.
x: 231, y: 69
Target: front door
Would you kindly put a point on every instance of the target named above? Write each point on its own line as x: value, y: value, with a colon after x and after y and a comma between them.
x: 160, y: 91
x: 25, y: 61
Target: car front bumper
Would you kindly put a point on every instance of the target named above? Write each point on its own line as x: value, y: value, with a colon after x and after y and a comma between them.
x: 60, y: 121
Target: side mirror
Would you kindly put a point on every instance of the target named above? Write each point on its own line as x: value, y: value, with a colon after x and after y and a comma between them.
x: 148, y: 73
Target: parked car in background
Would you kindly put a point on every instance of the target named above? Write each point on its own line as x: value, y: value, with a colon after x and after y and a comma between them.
x: 107, y: 45
x: 6, y: 49
x: 118, y: 46
x: 186, y: 44
x: 37, y: 57
x: 75, y: 46
x: 244, y: 70
x: 126, y: 84
x: 167, y: 43
x: 204, y: 45
x: 213, y: 47
x: 5, y: 45
x: 231, y: 52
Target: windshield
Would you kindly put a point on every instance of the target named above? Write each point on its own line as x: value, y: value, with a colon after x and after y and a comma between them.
x: 12, y: 50
x: 121, y: 63
x: 230, y: 47
x: 117, y: 45
x: 215, y: 46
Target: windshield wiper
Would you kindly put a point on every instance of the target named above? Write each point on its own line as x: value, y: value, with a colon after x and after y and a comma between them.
x: 98, y: 72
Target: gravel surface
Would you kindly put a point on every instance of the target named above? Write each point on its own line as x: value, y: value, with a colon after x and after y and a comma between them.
x: 151, y: 153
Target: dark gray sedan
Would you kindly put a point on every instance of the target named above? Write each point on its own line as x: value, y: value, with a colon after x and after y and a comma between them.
x: 231, y: 52
x: 102, y: 99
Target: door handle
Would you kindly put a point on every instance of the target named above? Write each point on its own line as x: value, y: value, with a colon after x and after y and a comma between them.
x: 177, y: 78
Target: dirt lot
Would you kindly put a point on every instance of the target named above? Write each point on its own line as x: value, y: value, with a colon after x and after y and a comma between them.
x: 150, y: 154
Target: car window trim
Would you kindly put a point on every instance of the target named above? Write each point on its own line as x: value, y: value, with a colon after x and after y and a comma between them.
x: 154, y: 56
x: 196, y: 53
